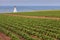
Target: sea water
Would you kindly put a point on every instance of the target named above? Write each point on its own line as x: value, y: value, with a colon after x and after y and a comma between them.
x: 27, y: 8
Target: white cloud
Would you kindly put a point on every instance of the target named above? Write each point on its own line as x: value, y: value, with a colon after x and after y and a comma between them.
x: 29, y: 2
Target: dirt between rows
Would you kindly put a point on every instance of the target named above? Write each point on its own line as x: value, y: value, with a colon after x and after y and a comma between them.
x: 3, y: 37
x: 41, y: 17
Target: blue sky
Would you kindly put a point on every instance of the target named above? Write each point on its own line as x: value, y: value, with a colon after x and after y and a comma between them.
x: 30, y: 2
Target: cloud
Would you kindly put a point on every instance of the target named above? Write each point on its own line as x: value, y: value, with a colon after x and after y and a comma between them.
x: 29, y: 2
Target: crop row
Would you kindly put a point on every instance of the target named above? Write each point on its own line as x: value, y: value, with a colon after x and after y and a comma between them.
x: 44, y: 29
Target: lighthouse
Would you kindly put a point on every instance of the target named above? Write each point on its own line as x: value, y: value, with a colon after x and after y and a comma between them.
x: 15, y: 10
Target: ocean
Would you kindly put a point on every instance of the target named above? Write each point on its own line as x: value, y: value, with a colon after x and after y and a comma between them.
x: 27, y: 8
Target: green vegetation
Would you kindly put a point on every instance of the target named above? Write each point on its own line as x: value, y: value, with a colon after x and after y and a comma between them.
x: 41, y: 13
x: 17, y: 27
x: 28, y: 28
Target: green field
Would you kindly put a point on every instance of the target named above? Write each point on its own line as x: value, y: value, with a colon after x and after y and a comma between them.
x: 20, y: 28
x: 41, y: 13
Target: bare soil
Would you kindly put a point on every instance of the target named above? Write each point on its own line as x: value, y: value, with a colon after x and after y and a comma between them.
x: 41, y: 17
x: 3, y: 37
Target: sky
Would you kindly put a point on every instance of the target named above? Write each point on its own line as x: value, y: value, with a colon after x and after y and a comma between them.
x: 29, y: 2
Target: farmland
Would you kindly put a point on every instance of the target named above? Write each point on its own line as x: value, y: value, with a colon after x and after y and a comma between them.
x: 52, y: 13
x: 26, y: 28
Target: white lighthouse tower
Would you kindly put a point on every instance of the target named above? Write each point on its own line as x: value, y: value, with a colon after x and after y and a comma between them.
x: 15, y: 10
